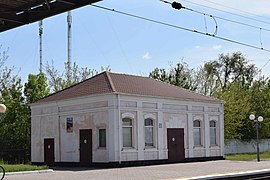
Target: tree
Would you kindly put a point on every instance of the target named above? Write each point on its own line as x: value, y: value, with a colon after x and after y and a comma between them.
x: 260, y: 106
x: 180, y: 75
x: 36, y: 88
x: 237, y: 106
x: 15, y: 127
x: 59, y: 80
x: 208, y: 78
x: 6, y: 77
x: 229, y: 78
x: 233, y: 68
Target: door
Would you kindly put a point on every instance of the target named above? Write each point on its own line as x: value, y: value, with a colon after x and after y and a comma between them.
x: 85, y: 147
x: 176, y: 149
x: 49, y: 151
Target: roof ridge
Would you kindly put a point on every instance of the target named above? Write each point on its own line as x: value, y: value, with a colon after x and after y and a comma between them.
x: 110, y: 81
x: 184, y: 89
x: 165, y: 83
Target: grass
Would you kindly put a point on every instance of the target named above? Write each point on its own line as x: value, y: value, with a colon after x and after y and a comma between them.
x: 247, y: 156
x: 22, y: 167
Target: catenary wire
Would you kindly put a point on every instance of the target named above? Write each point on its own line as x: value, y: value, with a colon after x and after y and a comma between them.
x: 180, y: 6
x: 235, y: 14
x: 179, y: 27
x: 221, y: 18
x: 246, y: 12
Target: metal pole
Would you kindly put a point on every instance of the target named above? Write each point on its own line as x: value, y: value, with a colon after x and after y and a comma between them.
x: 69, y: 21
x: 258, y: 149
x: 40, y: 45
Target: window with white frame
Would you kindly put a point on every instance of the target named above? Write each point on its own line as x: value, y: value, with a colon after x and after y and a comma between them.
x: 102, y: 138
x: 127, y: 132
x: 149, y: 132
x: 213, y: 133
x: 197, y: 133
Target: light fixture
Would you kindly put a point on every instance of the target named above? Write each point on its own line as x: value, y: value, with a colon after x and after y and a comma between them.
x: 257, y: 123
x: 2, y: 108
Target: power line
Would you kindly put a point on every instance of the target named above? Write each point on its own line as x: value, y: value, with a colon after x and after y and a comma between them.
x: 221, y: 18
x: 246, y: 12
x: 235, y: 14
x: 181, y: 28
x: 179, y: 6
x: 264, y: 65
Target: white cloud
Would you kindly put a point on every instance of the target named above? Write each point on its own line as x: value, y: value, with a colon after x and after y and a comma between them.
x: 217, y: 47
x: 147, y: 56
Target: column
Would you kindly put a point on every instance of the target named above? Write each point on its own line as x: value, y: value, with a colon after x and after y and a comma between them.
x: 190, y: 132
x: 140, y: 131
x: 206, y: 132
x: 160, y: 132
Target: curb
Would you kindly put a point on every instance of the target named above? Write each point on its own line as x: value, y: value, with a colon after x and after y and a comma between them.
x: 229, y: 175
x: 29, y: 172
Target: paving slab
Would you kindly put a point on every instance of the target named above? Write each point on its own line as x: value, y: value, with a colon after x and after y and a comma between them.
x: 178, y: 171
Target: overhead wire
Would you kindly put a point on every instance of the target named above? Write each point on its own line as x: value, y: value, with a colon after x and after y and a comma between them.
x: 179, y: 27
x: 264, y: 65
x: 235, y: 14
x: 179, y: 6
x: 239, y: 10
x: 221, y: 18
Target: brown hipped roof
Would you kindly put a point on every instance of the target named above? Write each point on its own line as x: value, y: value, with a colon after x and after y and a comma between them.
x: 108, y: 82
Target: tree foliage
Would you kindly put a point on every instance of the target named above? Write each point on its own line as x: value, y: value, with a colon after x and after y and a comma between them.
x: 15, y: 126
x: 233, y: 79
x: 180, y: 76
x: 59, y: 80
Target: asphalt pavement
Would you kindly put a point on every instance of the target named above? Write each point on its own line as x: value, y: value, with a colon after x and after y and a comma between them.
x: 222, y: 169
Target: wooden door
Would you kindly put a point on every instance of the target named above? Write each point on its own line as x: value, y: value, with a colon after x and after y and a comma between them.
x: 86, y: 147
x: 176, y: 149
x: 49, y: 151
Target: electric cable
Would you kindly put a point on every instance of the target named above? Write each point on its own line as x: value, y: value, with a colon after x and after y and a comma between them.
x: 264, y: 65
x: 221, y: 18
x: 245, y: 12
x: 235, y: 14
x: 178, y: 6
x: 205, y: 23
x: 261, y: 38
x: 181, y: 28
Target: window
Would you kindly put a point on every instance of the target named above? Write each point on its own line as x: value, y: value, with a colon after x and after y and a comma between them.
x: 197, y: 132
x: 148, y: 132
x: 213, y: 131
x: 127, y: 132
x: 70, y: 125
x: 102, y: 137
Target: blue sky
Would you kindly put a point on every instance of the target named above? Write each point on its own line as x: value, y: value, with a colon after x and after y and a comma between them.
x: 134, y: 46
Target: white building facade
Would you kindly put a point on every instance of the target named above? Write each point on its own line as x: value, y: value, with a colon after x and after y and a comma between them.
x: 118, y: 127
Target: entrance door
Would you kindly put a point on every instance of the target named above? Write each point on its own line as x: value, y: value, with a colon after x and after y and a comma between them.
x: 86, y: 147
x: 49, y: 151
x: 175, y: 139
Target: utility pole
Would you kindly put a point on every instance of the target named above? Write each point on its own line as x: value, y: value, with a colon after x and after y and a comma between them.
x: 40, y: 45
x: 69, y: 21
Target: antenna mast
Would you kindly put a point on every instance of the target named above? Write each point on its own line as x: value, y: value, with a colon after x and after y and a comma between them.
x: 40, y: 45
x: 69, y: 21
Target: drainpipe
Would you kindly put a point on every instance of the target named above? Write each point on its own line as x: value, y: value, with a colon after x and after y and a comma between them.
x: 59, y: 131
x: 119, y: 126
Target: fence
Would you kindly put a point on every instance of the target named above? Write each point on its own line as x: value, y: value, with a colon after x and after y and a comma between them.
x: 237, y: 147
x: 15, y: 156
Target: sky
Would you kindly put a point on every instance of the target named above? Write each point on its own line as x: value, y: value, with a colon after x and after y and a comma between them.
x: 134, y: 46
